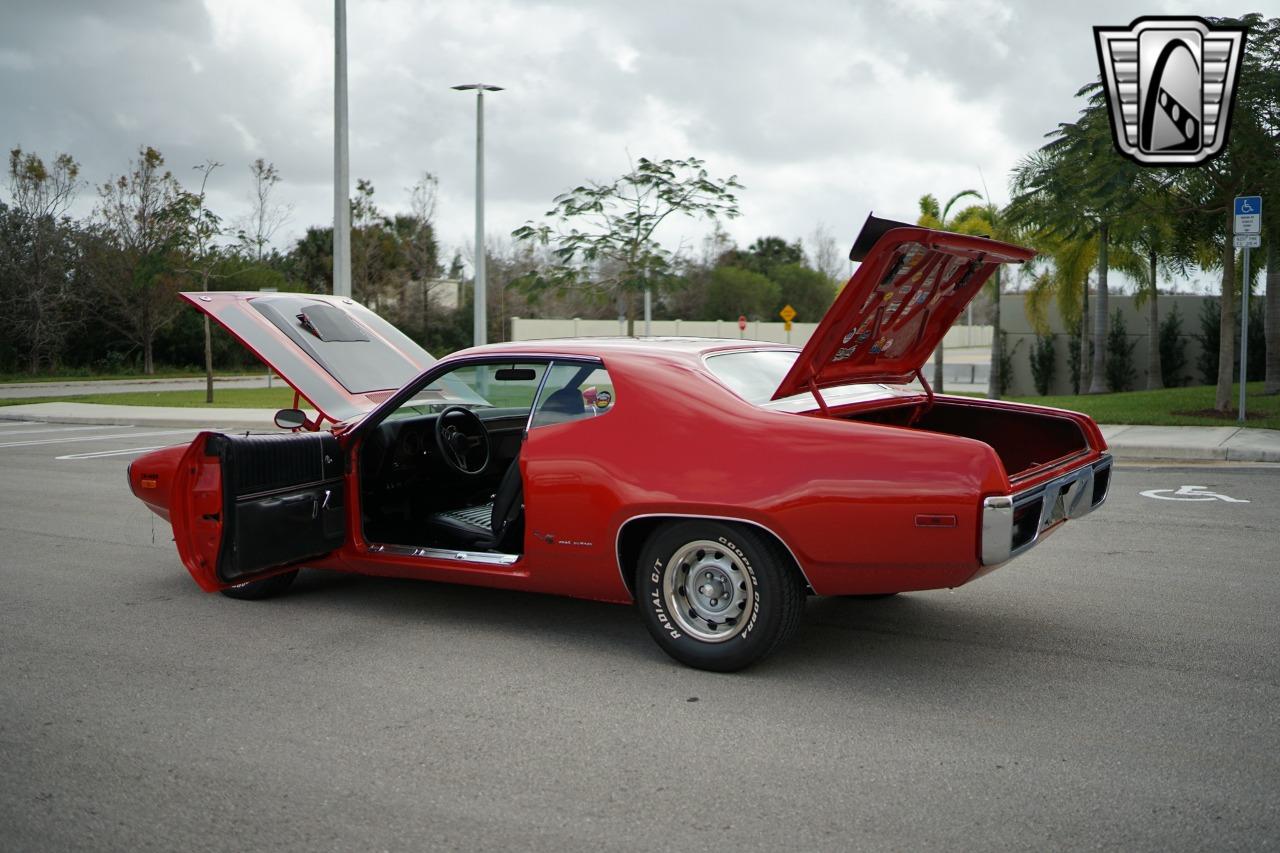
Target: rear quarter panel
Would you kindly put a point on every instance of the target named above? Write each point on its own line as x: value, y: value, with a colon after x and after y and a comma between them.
x: 843, y: 496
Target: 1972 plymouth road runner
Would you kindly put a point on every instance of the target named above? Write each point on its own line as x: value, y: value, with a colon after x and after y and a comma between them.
x: 714, y: 483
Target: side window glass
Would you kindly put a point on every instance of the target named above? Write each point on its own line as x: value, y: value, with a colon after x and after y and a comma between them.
x: 573, y: 392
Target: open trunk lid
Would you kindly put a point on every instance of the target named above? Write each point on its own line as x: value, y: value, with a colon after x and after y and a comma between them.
x: 343, y: 358
x: 911, y: 286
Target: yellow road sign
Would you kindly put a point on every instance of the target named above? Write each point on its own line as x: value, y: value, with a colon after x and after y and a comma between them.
x: 787, y: 314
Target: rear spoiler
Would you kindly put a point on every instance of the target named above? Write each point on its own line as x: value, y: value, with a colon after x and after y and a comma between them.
x: 872, y: 230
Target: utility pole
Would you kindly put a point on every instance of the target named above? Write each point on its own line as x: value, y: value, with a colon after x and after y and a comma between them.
x: 341, y: 157
x: 480, y: 334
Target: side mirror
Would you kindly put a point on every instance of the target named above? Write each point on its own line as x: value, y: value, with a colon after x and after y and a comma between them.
x: 291, y: 419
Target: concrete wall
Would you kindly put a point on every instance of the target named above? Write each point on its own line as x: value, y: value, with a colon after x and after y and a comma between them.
x: 523, y: 329
x: 1013, y: 319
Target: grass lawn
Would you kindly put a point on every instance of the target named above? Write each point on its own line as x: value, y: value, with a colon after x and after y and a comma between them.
x: 1169, y: 407
x: 279, y: 397
x: 90, y: 376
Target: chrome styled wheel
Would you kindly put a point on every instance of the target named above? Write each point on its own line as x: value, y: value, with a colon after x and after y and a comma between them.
x: 709, y: 593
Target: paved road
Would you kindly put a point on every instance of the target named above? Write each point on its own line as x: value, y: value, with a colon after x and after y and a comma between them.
x: 1117, y: 688
x: 25, y: 390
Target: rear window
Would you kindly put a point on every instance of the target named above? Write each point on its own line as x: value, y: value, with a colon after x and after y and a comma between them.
x: 755, y: 375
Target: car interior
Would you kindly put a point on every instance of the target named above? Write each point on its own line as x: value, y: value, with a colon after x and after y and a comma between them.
x: 443, y: 470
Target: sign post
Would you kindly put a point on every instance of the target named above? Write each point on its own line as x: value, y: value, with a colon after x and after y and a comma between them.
x: 787, y: 314
x: 1248, y: 230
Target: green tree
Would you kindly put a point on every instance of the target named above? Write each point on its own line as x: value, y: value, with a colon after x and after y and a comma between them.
x: 310, y: 261
x: 931, y: 216
x: 37, y: 256
x: 1151, y: 237
x: 1077, y: 186
x: 1260, y: 95
x: 604, y: 236
x: 133, y: 255
x: 764, y: 255
x: 415, y: 232
x: 806, y: 290
x: 266, y: 215
x: 734, y: 291
x: 1248, y: 164
x: 376, y: 256
x: 200, y: 227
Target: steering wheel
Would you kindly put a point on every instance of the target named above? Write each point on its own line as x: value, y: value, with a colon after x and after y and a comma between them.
x: 463, y: 440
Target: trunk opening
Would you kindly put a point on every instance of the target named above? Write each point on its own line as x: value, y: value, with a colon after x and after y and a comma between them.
x: 1026, y: 442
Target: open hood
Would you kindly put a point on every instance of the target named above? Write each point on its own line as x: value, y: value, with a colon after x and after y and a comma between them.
x: 911, y: 286
x: 343, y: 358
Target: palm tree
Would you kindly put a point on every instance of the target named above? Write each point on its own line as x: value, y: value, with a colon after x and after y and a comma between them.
x: 1077, y: 185
x: 933, y: 217
x: 1149, y: 243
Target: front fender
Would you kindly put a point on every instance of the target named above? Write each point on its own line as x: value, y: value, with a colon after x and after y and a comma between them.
x: 151, y: 478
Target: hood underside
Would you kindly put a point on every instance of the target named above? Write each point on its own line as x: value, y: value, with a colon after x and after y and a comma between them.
x: 340, y: 356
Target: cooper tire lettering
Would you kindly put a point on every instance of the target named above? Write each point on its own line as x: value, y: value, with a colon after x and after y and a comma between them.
x: 719, y: 596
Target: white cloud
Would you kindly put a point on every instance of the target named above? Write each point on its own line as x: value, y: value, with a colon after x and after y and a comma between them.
x: 825, y: 109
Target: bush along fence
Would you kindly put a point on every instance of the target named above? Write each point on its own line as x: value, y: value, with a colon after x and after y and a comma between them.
x: 1049, y: 364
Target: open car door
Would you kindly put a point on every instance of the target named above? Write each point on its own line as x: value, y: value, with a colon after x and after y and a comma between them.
x: 249, y: 506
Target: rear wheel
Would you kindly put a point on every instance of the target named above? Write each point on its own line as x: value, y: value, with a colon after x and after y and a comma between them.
x: 265, y: 588
x: 717, y: 596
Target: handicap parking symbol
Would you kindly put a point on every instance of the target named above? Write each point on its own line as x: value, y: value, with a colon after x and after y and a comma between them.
x: 1190, y: 493
x: 1247, y: 205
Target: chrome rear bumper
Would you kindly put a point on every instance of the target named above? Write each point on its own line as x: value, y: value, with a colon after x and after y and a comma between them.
x: 1013, y: 523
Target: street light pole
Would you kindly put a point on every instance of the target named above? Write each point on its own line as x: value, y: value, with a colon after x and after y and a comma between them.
x: 341, y: 157
x: 480, y: 333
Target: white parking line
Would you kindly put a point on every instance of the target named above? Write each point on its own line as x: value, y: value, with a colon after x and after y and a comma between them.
x: 40, y: 441
x: 48, y: 429
x: 104, y: 453
x: 4, y: 424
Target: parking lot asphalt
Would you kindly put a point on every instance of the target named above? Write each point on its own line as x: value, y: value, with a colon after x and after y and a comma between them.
x: 1115, y: 688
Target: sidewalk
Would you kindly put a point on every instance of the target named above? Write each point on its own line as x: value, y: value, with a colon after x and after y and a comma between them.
x: 143, y: 416
x: 1192, y: 444
x: 1127, y: 443
x: 73, y: 387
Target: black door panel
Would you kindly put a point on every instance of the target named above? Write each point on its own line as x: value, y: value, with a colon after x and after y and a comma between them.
x: 283, y: 501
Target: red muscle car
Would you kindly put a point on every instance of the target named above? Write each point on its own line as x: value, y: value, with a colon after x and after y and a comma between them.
x: 714, y: 483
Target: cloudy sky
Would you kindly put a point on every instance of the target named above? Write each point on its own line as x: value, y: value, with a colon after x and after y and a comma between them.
x: 825, y: 110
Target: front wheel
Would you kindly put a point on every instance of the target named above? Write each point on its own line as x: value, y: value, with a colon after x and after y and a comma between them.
x: 717, y: 596
x: 265, y: 588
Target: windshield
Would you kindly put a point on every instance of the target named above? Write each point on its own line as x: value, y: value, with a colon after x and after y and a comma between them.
x: 508, y: 385
x: 754, y: 375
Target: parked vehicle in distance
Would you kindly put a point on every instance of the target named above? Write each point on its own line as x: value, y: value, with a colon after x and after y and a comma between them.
x: 714, y: 483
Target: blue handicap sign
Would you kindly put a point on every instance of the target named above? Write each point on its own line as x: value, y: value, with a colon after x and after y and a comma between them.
x: 1248, y: 204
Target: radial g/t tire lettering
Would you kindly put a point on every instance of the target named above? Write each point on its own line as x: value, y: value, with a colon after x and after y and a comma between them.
x: 716, y: 595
